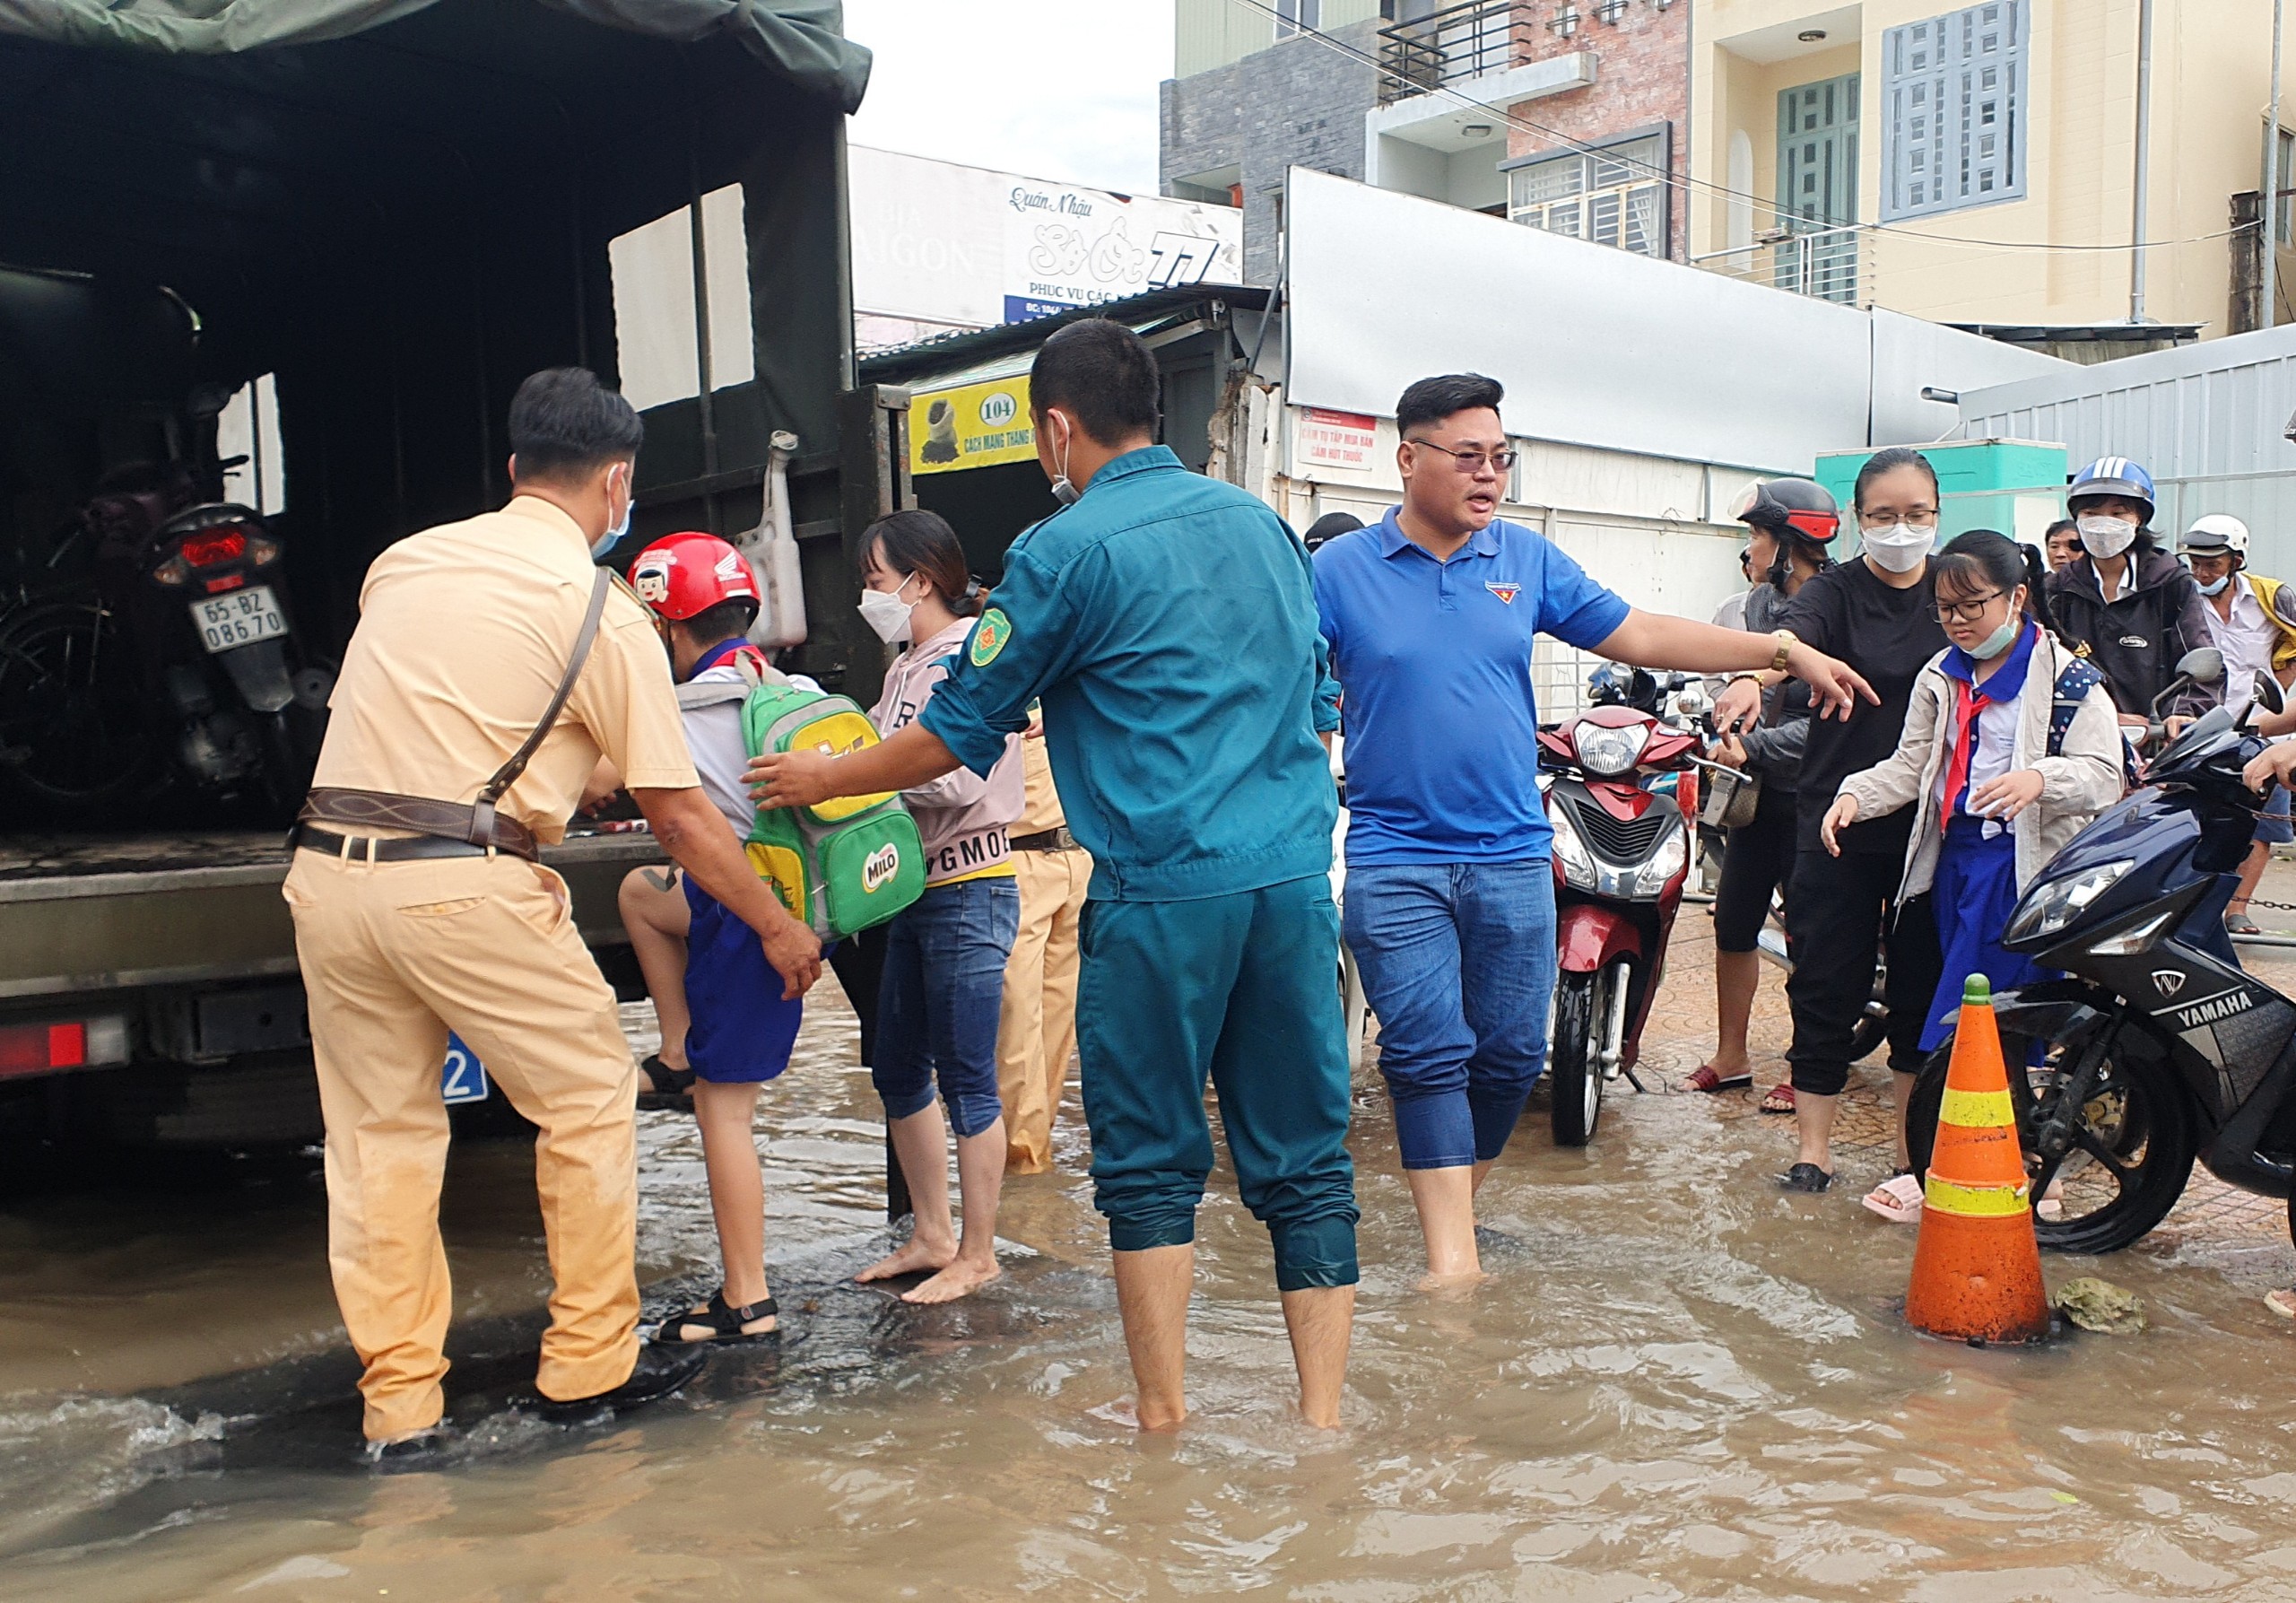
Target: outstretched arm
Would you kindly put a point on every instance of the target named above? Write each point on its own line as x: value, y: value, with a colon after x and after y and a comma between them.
x: 912, y: 755
x: 1661, y: 640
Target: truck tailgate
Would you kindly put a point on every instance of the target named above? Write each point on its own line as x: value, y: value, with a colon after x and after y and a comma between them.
x: 82, y: 913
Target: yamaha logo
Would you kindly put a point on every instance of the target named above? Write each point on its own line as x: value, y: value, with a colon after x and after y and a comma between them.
x: 879, y: 867
x: 2168, y: 981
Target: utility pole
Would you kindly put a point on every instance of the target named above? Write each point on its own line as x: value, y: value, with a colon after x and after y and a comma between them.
x: 2138, y: 222
x: 2270, y: 273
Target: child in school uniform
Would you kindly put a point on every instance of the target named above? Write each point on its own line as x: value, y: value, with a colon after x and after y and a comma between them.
x: 2011, y: 746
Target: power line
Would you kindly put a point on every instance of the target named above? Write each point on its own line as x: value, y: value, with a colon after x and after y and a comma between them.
x: 1683, y: 181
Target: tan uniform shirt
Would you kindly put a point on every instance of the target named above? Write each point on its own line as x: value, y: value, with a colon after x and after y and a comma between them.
x: 1042, y: 810
x: 464, y: 633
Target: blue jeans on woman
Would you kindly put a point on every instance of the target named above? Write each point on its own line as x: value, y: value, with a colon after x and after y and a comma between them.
x: 1457, y: 962
x: 939, y: 1001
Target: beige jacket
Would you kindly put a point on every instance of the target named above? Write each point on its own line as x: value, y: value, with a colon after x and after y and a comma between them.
x: 2074, y: 786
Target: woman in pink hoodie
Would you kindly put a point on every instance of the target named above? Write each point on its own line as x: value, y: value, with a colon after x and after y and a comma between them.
x: 943, y: 991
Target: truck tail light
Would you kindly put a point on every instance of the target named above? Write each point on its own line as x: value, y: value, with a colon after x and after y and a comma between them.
x: 63, y: 1043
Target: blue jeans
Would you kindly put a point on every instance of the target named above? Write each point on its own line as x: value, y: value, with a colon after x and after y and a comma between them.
x: 938, y: 1003
x: 1458, y: 964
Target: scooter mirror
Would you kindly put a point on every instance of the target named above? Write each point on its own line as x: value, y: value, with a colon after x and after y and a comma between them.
x: 2203, y: 665
x: 2267, y: 693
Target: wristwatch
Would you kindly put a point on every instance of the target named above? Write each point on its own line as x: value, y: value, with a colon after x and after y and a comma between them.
x: 1786, y: 641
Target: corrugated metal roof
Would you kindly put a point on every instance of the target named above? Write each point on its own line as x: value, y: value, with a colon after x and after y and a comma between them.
x: 949, y: 353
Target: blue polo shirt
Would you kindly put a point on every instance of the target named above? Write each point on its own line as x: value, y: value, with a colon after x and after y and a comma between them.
x: 1168, y: 623
x: 1434, y: 659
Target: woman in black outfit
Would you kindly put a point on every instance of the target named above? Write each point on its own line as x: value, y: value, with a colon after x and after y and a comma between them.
x: 1879, y: 614
x: 1790, y: 523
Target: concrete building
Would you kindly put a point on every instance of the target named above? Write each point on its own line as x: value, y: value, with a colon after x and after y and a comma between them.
x: 1251, y: 96
x: 1995, y: 146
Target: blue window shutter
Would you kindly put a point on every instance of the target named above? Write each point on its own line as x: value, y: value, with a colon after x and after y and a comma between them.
x: 1953, y: 111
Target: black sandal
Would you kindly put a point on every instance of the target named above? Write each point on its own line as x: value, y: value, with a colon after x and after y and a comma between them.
x: 723, y: 1320
x: 1805, y: 1177
x: 671, y: 1089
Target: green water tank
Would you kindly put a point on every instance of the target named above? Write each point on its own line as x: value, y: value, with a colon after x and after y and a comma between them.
x: 2015, y: 485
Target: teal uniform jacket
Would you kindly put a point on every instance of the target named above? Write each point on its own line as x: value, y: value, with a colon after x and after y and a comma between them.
x: 1168, y: 621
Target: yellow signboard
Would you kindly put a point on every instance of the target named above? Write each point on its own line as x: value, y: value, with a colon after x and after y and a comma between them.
x: 976, y: 425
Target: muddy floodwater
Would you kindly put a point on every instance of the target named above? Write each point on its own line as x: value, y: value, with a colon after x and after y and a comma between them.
x: 1676, y: 1383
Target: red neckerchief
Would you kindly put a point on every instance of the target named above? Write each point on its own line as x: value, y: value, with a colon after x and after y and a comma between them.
x: 1969, y: 701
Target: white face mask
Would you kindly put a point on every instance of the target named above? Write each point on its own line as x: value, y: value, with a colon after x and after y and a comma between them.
x: 886, y: 612
x: 2103, y: 536
x: 1992, y: 645
x: 1899, y: 547
x: 1063, y: 491
x: 615, y: 535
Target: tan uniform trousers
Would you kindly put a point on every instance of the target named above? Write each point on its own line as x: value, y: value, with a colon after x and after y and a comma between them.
x: 1035, y: 1034
x: 393, y: 954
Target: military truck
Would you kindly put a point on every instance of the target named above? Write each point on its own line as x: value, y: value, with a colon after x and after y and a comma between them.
x: 378, y: 218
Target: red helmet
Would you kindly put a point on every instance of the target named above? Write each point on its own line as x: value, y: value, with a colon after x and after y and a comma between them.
x: 682, y: 575
x: 1802, y: 505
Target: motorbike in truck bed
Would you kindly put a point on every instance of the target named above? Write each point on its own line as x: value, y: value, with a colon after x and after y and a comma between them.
x: 375, y: 230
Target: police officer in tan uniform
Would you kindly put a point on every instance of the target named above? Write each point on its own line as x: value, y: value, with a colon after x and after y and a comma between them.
x: 491, y: 668
x: 1037, y: 1033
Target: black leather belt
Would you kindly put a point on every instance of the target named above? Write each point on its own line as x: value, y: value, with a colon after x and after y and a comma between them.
x: 375, y: 848
x: 1058, y: 839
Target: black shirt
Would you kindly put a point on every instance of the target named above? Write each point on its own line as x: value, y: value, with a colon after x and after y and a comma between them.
x: 1888, y: 635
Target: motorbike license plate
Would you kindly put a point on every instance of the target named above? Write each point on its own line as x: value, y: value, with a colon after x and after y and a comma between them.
x: 226, y: 622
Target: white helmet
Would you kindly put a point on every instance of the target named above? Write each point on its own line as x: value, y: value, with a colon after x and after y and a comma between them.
x: 2218, y: 531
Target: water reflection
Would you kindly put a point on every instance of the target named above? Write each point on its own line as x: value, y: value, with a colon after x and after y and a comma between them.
x: 1676, y: 1384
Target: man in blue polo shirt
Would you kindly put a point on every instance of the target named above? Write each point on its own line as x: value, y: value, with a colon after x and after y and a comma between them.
x: 1430, y: 615
x: 1168, y: 621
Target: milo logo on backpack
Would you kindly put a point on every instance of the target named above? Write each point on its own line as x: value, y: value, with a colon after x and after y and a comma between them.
x: 848, y: 864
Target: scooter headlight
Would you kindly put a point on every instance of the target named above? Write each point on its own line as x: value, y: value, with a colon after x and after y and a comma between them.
x: 2049, y: 908
x: 1577, y: 862
x: 1672, y: 852
x: 1609, y: 753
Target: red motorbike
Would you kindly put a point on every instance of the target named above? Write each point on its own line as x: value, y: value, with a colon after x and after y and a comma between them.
x: 1621, y: 853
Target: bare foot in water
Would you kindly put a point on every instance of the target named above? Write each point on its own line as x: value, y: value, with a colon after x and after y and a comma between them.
x: 1462, y: 1280
x: 912, y: 1257
x: 960, y: 1278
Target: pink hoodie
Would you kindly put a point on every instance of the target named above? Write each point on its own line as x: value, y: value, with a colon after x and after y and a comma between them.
x: 962, y: 818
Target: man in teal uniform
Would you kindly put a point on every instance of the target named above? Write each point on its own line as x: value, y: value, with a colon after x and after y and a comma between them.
x: 1168, y: 621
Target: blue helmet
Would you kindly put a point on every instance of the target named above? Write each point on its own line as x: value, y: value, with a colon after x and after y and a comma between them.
x: 2111, y: 475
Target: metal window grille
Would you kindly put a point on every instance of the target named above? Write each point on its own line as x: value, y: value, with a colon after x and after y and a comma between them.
x: 1612, y: 196
x: 1953, y: 108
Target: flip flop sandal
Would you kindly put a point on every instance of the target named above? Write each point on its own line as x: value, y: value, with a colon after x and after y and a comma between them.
x: 1805, y: 1177
x: 670, y: 1089
x: 2282, y: 1301
x: 1897, y: 1198
x: 723, y: 1320
x: 1780, y: 1099
x: 1710, y: 1079
x: 2241, y: 924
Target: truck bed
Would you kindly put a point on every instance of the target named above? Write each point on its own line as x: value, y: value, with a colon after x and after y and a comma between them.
x: 102, y: 912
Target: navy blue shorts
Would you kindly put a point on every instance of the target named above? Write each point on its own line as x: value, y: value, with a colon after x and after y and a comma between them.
x: 741, y: 1029
x: 2273, y: 829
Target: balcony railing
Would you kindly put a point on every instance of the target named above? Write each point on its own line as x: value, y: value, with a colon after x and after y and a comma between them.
x: 1450, y: 46
x: 1825, y: 264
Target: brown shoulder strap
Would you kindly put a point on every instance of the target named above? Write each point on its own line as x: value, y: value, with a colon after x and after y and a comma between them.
x: 506, y: 776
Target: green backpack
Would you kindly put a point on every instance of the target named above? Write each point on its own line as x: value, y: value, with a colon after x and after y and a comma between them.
x: 848, y: 864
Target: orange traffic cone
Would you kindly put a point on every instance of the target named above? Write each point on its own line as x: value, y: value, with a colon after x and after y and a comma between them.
x: 1977, y: 1269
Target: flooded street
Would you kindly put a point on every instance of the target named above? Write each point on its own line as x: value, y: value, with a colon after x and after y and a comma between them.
x: 1676, y: 1383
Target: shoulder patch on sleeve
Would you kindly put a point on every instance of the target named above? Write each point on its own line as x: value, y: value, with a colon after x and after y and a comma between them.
x: 989, y: 635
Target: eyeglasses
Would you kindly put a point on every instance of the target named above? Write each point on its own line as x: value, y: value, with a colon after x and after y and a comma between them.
x: 1877, y: 526
x: 1965, y: 612
x: 1501, y: 460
